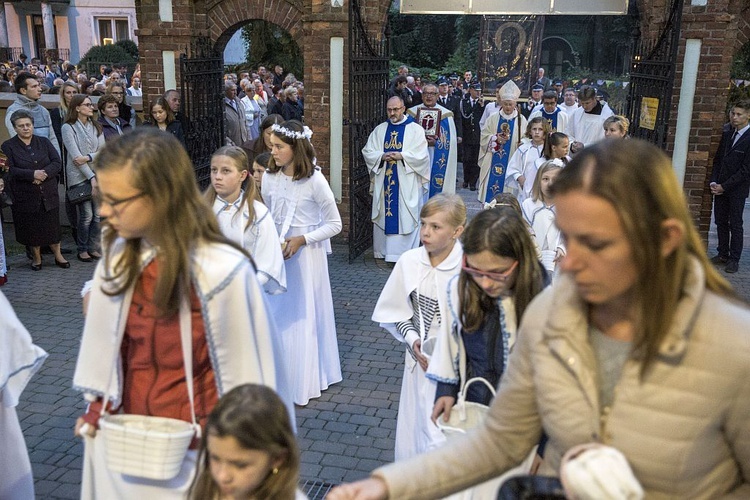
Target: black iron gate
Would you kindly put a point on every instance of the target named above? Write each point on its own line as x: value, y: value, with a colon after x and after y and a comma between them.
x: 201, y: 71
x: 368, y: 84
x: 652, y: 72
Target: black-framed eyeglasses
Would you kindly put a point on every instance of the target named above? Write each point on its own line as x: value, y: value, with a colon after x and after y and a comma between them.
x: 113, y: 204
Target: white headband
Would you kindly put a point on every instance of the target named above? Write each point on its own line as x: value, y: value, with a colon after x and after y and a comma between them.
x: 305, y: 134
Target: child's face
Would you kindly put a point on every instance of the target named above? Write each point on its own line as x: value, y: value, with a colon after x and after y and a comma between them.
x: 226, y: 178
x: 548, y: 178
x: 159, y: 114
x: 281, y: 151
x: 537, y: 133
x: 561, y: 150
x: 127, y: 209
x: 494, y: 274
x: 258, y: 171
x: 237, y: 471
x: 437, y: 234
x: 614, y: 130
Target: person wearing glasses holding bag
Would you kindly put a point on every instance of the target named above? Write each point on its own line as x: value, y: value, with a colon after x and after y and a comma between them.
x: 177, y: 285
x: 83, y: 139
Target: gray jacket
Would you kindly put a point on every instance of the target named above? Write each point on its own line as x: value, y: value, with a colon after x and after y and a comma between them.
x: 80, y: 140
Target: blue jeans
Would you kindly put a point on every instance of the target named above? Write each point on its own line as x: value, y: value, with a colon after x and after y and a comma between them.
x: 3, y: 269
x: 87, y: 237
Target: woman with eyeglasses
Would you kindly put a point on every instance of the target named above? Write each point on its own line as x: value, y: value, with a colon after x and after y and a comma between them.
x: 83, y: 139
x: 500, y: 275
x: 119, y: 90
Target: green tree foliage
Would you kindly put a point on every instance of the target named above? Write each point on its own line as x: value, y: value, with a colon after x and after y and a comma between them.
x: 104, y: 54
x: 130, y: 47
x: 741, y: 64
x: 268, y: 45
x: 434, y: 45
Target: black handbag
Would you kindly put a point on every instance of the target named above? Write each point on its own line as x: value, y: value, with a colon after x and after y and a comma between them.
x: 531, y: 488
x: 79, y: 193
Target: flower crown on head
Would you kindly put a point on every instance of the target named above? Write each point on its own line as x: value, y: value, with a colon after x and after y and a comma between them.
x: 305, y: 134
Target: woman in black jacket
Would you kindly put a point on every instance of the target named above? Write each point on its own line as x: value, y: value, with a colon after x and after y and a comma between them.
x: 34, y: 165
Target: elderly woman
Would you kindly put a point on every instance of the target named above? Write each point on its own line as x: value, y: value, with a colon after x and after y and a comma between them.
x: 252, y: 110
x: 640, y: 345
x: 291, y: 109
x: 109, y: 117
x: 34, y: 165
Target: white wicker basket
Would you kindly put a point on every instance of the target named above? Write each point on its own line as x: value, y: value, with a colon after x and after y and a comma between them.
x: 465, y: 415
x: 143, y: 446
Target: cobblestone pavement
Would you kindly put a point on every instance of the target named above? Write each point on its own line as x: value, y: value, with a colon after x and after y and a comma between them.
x: 343, y: 435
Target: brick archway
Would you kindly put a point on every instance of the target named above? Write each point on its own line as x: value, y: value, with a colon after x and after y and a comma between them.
x: 227, y: 16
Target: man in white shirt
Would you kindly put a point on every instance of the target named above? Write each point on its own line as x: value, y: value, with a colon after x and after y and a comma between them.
x: 587, y: 124
x: 135, y: 87
x: 570, y: 103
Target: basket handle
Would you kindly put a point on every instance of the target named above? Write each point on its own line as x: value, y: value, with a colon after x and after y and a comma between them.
x: 465, y: 388
x: 187, y: 356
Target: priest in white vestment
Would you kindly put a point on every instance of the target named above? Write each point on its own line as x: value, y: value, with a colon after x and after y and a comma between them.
x: 443, y: 147
x: 399, y: 163
x: 501, y: 136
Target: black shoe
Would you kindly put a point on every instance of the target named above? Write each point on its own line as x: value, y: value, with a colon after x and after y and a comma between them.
x: 732, y: 267
x: 718, y: 259
x: 84, y: 259
x: 473, y: 188
x: 36, y: 267
x: 63, y: 265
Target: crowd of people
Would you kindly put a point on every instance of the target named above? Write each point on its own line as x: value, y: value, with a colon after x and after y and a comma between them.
x: 581, y: 293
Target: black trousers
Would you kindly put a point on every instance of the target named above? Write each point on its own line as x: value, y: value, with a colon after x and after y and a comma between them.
x: 471, y: 164
x: 728, y: 217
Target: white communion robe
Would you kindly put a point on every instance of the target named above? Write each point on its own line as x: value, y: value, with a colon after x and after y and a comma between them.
x: 19, y: 361
x: 588, y: 128
x: 449, y: 184
x: 304, y: 314
x: 412, y: 306
x: 569, y: 110
x: 485, y: 155
x: 260, y: 240
x: 523, y: 162
x: 413, y: 180
x: 541, y: 218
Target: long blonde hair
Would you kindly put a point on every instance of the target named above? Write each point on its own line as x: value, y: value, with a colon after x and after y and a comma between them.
x: 637, y: 179
x: 161, y: 170
x: 240, y: 162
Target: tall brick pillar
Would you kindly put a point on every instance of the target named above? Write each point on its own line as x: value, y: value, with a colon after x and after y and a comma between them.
x: 710, y: 35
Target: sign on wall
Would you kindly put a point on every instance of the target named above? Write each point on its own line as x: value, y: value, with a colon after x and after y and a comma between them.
x: 515, y: 7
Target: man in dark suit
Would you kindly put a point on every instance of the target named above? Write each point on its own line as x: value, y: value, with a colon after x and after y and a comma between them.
x: 470, y: 110
x: 730, y: 185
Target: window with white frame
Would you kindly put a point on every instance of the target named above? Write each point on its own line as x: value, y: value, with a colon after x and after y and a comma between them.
x: 112, y: 30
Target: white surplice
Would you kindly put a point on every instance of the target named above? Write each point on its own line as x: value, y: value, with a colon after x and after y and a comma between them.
x: 523, y: 163
x: 588, y: 128
x: 413, y: 179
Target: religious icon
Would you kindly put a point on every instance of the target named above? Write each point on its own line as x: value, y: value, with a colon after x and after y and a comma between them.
x: 429, y: 119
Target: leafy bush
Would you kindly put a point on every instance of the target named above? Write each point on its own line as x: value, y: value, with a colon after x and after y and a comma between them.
x: 104, y: 54
x: 130, y: 47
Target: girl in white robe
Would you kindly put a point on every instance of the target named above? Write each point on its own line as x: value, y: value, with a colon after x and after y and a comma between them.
x: 412, y: 306
x: 243, y: 218
x: 556, y: 146
x: 522, y: 164
x: 539, y: 212
x: 304, y: 210
x: 166, y: 269
x: 19, y: 360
